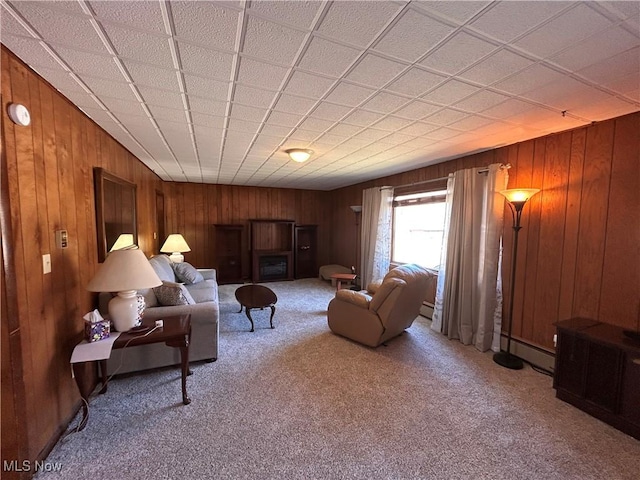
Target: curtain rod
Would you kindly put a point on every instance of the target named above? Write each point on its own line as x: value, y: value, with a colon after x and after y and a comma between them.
x: 482, y: 170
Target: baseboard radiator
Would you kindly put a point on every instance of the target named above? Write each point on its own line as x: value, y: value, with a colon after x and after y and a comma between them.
x: 530, y: 353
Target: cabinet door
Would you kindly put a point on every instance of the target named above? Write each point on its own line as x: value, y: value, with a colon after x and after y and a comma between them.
x: 630, y: 395
x: 603, y: 376
x: 571, y: 358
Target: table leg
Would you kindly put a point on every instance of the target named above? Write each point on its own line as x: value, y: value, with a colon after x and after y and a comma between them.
x: 247, y: 312
x: 240, y: 311
x: 273, y: 311
x: 84, y: 387
x: 184, y: 358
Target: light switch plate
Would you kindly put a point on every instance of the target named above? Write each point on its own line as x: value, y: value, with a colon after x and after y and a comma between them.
x: 46, y: 263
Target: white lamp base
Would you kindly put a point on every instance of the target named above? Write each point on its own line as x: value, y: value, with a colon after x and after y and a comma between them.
x: 176, y: 257
x: 123, y: 310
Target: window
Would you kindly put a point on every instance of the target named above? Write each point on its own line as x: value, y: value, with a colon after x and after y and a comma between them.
x: 418, y: 228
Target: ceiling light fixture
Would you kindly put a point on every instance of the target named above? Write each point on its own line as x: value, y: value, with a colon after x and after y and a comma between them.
x: 299, y: 154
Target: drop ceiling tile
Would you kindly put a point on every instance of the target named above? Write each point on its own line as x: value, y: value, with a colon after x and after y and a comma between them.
x: 392, y: 123
x: 285, y: 119
x: 394, y: 139
x: 416, y: 110
x: 372, y: 18
x: 362, y: 118
x: 30, y: 48
x: 508, y: 20
x: 140, y: 46
x: 566, y: 94
x: 61, y: 28
x: 300, y: 14
x: 99, y: 116
x: 142, y: 15
x: 327, y: 57
x: 609, y: 108
x: 567, y: 29
x: 91, y: 64
x: 275, y: 130
x: 61, y: 79
x: 152, y: 76
x: 271, y: 41
x: 459, y: 12
x: 412, y: 36
x: 596, y: 48
x: 210, y: 121
x: 10, y: 26
x: 252, y: 114
x: 294, y: 104
x: 384, y: 102
x: 174, y: 115
x: 316, y: 124
x: 445, y: 133
x: 330, y: 111
x: 348, y: 94
x: 101, y: 86
x: 472, y: 122
x: 458, y: 53
x: 329, y: 139
x: 528, y: 79
x: 418, y: 129
x: 122, y: 106
x: 480, y: 101
x: 626, y: 63
x: 371, y: 134
x: 301, y: 135
x: 345, y: 130
x: 309, y: 85
x: 205, y: 23
x: 164, y: 98
x: 205, y: 62
x: 375, y: 71
x: 627, y: 86
x: 495, y: 67
x: 445, y: 117
x: 451, y: 92
x: 415, y: 82
x: 207, y: 106
x: 205, y: 87
x: 239, y: 125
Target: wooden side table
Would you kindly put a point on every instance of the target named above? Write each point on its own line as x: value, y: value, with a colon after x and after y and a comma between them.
x: 175, y: 332
x: 343, y: 277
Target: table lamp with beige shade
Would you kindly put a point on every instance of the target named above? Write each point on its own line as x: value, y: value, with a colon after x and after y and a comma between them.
x: 175, y: 244
x: 124, y: 271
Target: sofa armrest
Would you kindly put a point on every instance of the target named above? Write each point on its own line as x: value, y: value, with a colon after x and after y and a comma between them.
x: 208, y: 273
x: 373, y: 287
x: 359, y: 299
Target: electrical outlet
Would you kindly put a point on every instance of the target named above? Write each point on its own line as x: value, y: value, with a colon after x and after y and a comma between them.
x: 46, y: 263
x: 555, y: 340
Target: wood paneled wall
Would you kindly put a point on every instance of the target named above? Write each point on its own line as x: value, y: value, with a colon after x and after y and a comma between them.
x: 193, y: 210
x: 50, y: 187
x: 579, y: 249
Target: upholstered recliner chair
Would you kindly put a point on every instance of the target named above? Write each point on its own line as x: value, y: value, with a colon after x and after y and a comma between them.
x: 384, y: 311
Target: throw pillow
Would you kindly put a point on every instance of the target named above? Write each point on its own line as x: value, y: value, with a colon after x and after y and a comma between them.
x: 171, y: 294
x: 185, y: 272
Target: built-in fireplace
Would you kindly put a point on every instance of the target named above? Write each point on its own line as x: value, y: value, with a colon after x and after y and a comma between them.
x: 273, y: 267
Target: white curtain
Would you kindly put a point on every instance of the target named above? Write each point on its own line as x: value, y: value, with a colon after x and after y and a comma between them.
x: 377, y: 210
x: 468, y: 303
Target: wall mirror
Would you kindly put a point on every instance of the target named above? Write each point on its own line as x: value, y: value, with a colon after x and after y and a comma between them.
x: 115, y: 210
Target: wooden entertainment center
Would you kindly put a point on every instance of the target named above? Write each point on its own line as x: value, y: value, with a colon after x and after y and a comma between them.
x: 598, y: 370
x: 271, y: 250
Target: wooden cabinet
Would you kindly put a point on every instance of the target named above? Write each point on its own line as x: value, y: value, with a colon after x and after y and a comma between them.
x: 271, y: 250
x: 228, y: 253
x: 598, y: 370
x: 306, y: 256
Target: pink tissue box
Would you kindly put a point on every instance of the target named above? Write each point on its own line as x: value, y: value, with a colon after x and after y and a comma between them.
x: 97, y: 331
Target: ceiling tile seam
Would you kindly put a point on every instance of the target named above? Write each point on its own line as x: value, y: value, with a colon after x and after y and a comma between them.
x: 363, y: 53
x: 282, y: 23
x: 318, y: 19
x: 167, y: 18
x: 51, y: 51
x: 123, y: 70
x: 452, y: 21
x: 612, y: 14
x: 22, y: 21
x: 241, y: 31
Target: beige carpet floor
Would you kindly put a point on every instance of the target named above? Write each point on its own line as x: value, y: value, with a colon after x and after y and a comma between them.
x: 298, y: 402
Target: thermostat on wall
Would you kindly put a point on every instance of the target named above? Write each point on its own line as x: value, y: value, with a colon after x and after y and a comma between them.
x: 19, y: 114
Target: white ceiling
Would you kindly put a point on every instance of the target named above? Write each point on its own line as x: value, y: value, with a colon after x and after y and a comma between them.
x: 214, y: 92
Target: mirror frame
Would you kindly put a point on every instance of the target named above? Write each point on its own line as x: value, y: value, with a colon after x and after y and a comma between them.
x: 102, y: 180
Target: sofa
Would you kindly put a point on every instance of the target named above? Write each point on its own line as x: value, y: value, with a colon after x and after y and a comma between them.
x: 201, y: 289
x: 384, y: 311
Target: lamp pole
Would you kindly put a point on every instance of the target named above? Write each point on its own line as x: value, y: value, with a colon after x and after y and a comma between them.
x: 516, y: 198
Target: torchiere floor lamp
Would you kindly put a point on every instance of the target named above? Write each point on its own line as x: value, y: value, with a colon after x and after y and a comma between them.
x: 516, y: 197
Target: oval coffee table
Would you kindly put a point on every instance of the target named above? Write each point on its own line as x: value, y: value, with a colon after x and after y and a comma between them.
x: 256, y: 296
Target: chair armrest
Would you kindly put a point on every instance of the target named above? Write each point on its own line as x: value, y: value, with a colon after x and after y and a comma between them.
x: 359, y: 299
x: 373, y: 287
x: 208, y: 273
